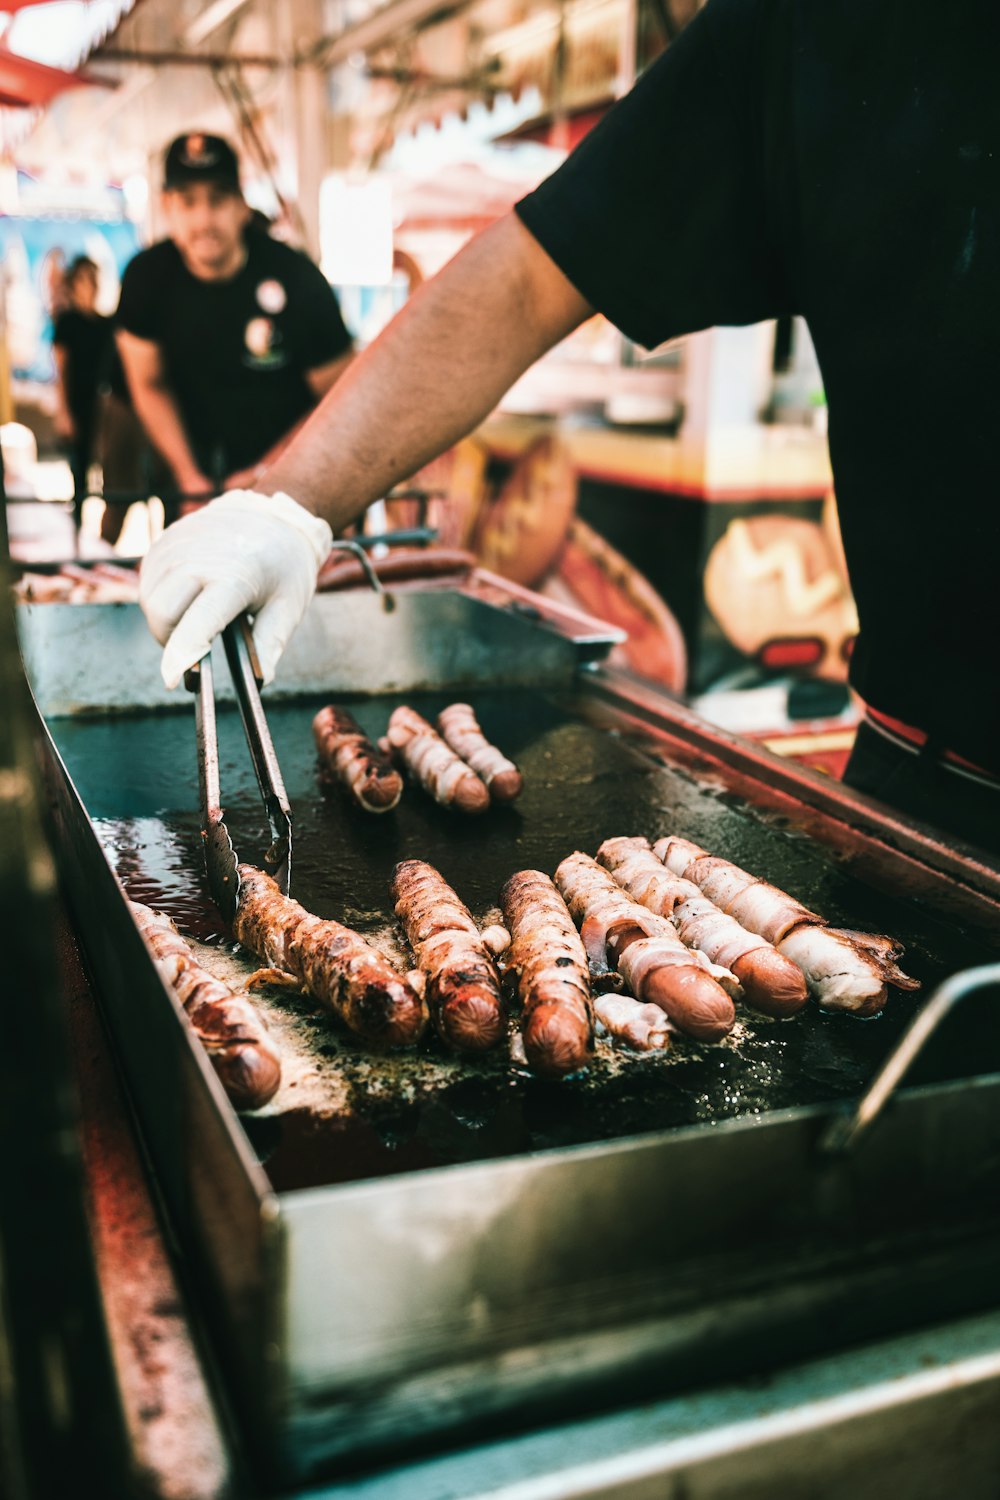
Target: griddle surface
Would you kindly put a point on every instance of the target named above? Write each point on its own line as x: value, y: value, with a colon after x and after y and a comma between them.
x: 345, y: 1113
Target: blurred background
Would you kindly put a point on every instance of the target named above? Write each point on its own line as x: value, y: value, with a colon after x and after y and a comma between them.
x: 682, y: 493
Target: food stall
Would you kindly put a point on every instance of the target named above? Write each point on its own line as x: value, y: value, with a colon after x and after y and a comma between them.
x: 441, y: 1273
x: 763, y: 1264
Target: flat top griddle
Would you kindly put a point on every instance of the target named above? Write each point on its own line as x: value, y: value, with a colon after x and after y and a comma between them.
x: 346, y: 1113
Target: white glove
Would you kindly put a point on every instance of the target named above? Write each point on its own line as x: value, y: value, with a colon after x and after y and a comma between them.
x: 243, y: 551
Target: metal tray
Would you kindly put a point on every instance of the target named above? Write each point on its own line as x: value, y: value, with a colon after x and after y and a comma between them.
x: 511, y: 1246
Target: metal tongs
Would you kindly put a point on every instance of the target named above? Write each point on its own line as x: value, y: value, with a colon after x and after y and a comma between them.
x: 220, y: 855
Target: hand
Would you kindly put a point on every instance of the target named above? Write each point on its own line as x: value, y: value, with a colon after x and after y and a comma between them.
x: 244, y: 551
x: 244, y: 479
x: 196, y: 484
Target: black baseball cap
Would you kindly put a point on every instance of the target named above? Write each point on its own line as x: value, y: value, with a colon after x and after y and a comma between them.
x: 197, y: 157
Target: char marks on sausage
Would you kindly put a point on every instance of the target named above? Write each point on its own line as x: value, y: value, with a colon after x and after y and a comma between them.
x: 347, y: 752
x: 335, y: 964
x: 435, y: 765
x: 460, y: 728
x: 225, y: 1021
x: 645, y: 949
x: 463, y: 985
x: 552, y: 979
x: 844, y: 971
x: 770, y: 982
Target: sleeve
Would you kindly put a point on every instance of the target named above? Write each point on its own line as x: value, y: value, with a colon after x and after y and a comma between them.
x: 61, y: 335
x: 659, y: 217
x: 322, y: 332
x: 141, y: 300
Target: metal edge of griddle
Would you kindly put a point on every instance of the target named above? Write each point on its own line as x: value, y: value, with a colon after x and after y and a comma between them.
x: 853, y: 822
x: 487, y: 1310
x: 433, y: 639
x: 217, y: 1206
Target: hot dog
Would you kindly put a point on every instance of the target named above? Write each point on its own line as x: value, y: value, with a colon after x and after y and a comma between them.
x: 225, y: 1020
x: 844, y: 971
x: 553, y: 984
x: 463, y: 985
x: 771, y: 983
x: 336, y: 965
x: 620, y: 933
x: 459, y: 727
x: 349, y: 754
x: 436, y: 766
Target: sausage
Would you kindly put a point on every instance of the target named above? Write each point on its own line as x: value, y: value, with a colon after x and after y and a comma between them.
x: 459, y: 727
x: 553, y: 983
x: 336, y: 965
x: 771, y: 983
x: 349, y: 754
x: 762, y: 908
x: 845, y: 971
x: 463, y: 985
x: 620, y: 933
x: 225, y: 1021
x: 436, y: 766
x: 342, y: 571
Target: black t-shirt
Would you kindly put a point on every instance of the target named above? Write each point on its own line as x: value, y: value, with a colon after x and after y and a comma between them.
x: 88, y: 340
x: 838, y: 159
x: 235, y: 352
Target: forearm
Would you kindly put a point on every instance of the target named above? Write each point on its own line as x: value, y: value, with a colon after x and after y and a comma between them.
x: 157, y: 411
x: 438, y: 369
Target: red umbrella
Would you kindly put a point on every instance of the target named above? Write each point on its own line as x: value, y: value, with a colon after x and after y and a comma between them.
x: 28, y: 84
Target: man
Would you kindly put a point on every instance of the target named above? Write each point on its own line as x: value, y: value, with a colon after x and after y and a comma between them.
x: 228, y: 338
x: 837, y: 158
x: 82, y: 345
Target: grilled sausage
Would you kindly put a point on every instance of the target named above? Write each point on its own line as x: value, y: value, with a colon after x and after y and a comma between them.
x: 844, y: 971
x: 552, y: 979
x: 771, y: 983
x: 620, y: 933
x: 225, y: 1021
x: 336, y: 965
x: 463, y: 985
x: 459, y: 727
x: 436, y: 766
x: 347, y: 752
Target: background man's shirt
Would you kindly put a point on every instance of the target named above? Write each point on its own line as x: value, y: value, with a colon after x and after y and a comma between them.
x: 235, y: 352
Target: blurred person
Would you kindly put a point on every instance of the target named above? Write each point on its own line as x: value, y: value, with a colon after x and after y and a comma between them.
x: 829, y: 158
x: 227, y: 336
x: 82, y: 343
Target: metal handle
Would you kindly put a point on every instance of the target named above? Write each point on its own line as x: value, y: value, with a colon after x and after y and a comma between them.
x: 847, y: 1130
x: 245, y: 670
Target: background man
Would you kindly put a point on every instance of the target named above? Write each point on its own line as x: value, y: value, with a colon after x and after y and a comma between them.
x: 228, y: 338
x: 836, y: 160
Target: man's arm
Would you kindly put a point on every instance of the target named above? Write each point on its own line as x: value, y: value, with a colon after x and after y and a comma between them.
x: 158, y: 412
x: 435, y: 372
x: 324, y: 377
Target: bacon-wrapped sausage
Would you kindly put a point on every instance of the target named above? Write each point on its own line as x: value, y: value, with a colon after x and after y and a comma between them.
x: 771, y: 983
x: 225, y: 1021
x: 551, y: 967
x: 643, y: 1027
x: 618, y: 932
x: 436, y: 766
x: 844, y: 971
x: 347, y: 752
x: 459, y: 727
x: 336, y: 965
x: 463, y: 985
